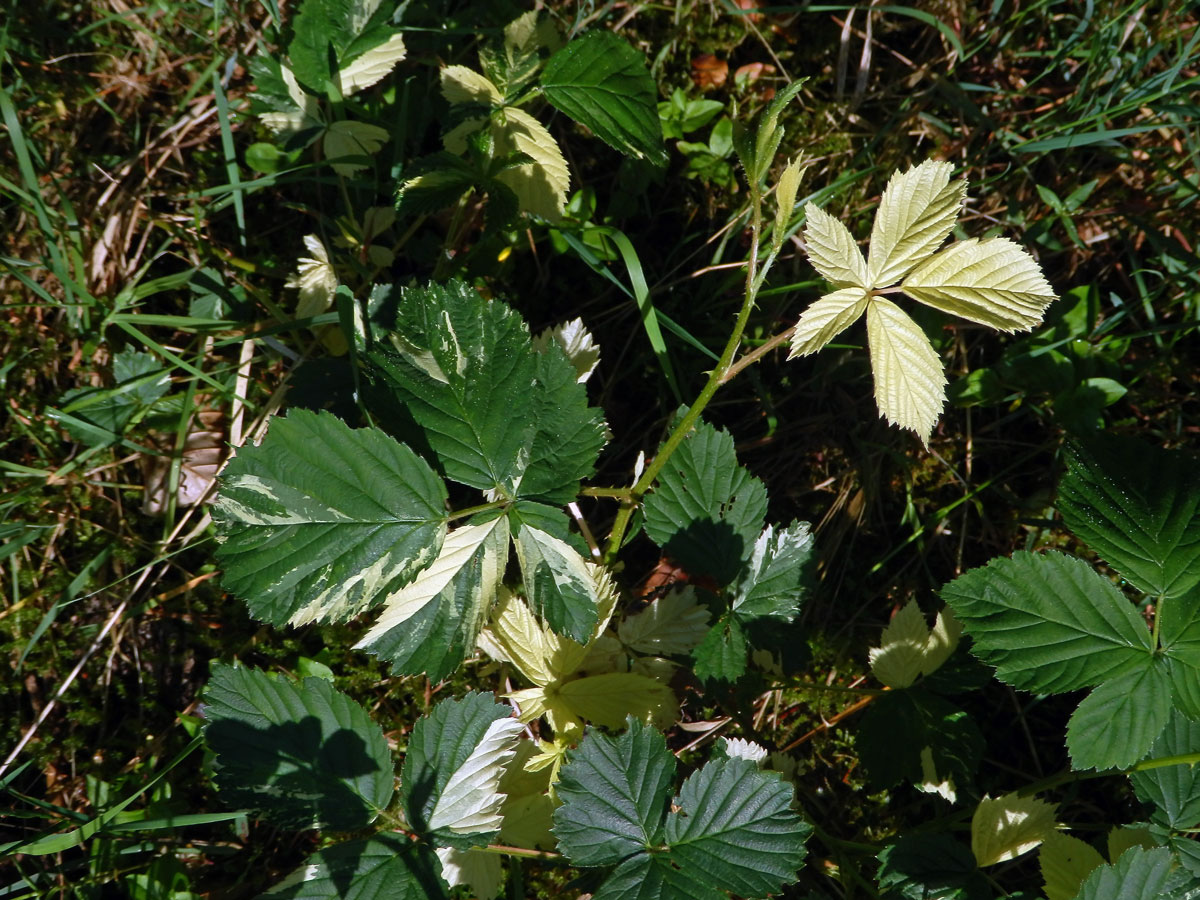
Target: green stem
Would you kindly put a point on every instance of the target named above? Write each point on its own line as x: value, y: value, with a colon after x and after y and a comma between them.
x: 621, y: 493
x: 715, y: 380
x: 472, y: 510
x: 1158, y: 611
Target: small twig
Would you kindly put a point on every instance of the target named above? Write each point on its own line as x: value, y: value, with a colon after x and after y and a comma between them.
x: 757, y: 353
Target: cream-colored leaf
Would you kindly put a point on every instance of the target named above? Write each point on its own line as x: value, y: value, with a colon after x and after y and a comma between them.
x: 478, y: 870
x: 943, y: 640
x: 654, y: 667
x: 673, y: 624
x: 994, y: 282
x: 347, y: 138
x: 463, y: 85
x: 367, y: 69
x: 896, y: 662
x: 931, y: 782
x: 305, y: 114
x: 521, y: 34
x: 455, y: 140
x: 1122, y: 838
x: 826, y: 319
x: 315, y: 278
x: 740, y: 748
x: 910, y: 386
x: 604, y: 654
x: 832, y: 249
x: 577, y: 343
x: 785, y: 198
x: 1065, y: 862
x: 360, y: 12
x: 528, y: 810
x: 471, y: 800
x: 532, y: 703
x: 1008, y: 826
x: 916, y: 213
x: 607, y: 699
x: 483, y: 547
x: 516, y: 636
x: 540, y: 186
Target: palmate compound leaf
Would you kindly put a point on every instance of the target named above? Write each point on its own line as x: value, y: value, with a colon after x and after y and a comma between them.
x: 706, y: 511
x: 910, y: 385
x: 321, y: 521
x: 452, y: 770
x: 1138, y: 506
x: 994, y: 282
x: 463, y: 368
x: 603, y: 83
x: 733, y: 828
x: 1048, y: 622
x: 364, y: 43
x: 917, y: 211
x: 381, y: 867
x: 432, y: 623
x: 302, y: 754
x: 1005, y: 827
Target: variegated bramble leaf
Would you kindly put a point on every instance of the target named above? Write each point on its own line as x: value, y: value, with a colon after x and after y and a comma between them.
x: 348, y: 138
x: 463, y: 85
x: 577, y: 343
x: 433, y: 623
x: 478, y: 870
x: 370, y: 67
x: 558, y: 582
x: 471, y: 800
x: 916, y: 213
x: 827, y: 318
x: 832, y: 250
x: 541, y: 186
x: 1008, y: 826
x: 910, y: 386
x: 994, y: 282
x: 515, y: 635
x: 773, y: 583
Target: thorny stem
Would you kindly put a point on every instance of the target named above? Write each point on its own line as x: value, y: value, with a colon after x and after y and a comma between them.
x: 758, y: 353
x: 715, y: 379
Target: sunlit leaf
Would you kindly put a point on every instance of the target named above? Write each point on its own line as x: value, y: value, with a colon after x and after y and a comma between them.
x: 916, y: 213
x: 577, y: 343
x: 470, y: 801
x: 315, y: 278
x: 672, y: 624
x: 463, y: 85
x: 776, y: 575
x: 897, y: 660
x: 541, y: 186
x: 1005, y: 827
x: 558, y: 582
x: 785, y: 199
x: 1065, y: 862
x: 910, y: 386
x: 516, y: 636
x: 826, y: 318
x: 1138, y: 875
x: 370, y: 67
x: 994, y: 282
x: 477, y: 870
x: 832, y: 250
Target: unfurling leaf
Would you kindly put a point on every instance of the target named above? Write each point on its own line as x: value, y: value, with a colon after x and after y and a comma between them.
x: 1008, y: 826
x: 827, y: 318
x: 832, y: 250
x: 910, y: 386
x: 515, y: 636
x: 576, y: 342
x: 993, y: 282
x: 785, y: 199
x: 916, y: 213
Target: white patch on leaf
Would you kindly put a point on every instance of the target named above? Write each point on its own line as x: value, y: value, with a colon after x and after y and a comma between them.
x: 315, y: 278
x: 369, y: 68
x: 740, y: 748
x: 577, y: 343
x: 471, y: 800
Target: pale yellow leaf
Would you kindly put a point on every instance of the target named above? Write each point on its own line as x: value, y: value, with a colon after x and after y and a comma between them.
x: 528, y: 810
x: 832, y: 249
x: 785, y: 199
x: 367, y: 69
x: 347, y: 138
x: 943, y: 639
x: 463, y: 85
x: 1065, y: 862
x: 315, y: 278
x: 993, y: 282
x: 896, y: 662
x: 931, y: 782
x: 910, y: 386
x: 1008, y: 826
x: 826, y: 319
x: 673, y: 624
x: 540, y: 186
x: 455, y: 140
x: 521, y: 34
x: 577, y: 343
x: 478, y: 870
x: 1123, y: 838
x: 516, y: 636
x: 918, y: 209
x: 607, y: 699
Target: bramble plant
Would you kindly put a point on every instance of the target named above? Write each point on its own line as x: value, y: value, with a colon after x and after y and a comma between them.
x: 446, y: 522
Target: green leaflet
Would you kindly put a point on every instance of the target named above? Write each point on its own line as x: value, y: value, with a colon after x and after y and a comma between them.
x: 569, y: 434
x: 601, y: 82
x: 432, y: 623
x: 721, y: 655
x: 1116, y: 724
x: 706, y: 511
x: 731, y: 827
x: 558, y: 581
x: 1138, y: 875
x: 351, y: 29
x: 450, y: 781
x: 1138, y: 506
x: 1174, y: 790
x: 301, y: 754
x: 776, y: 575
x: 464, y: 370
x: 930, y: 865
x: 321, y: 521
x: 382, y: 867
